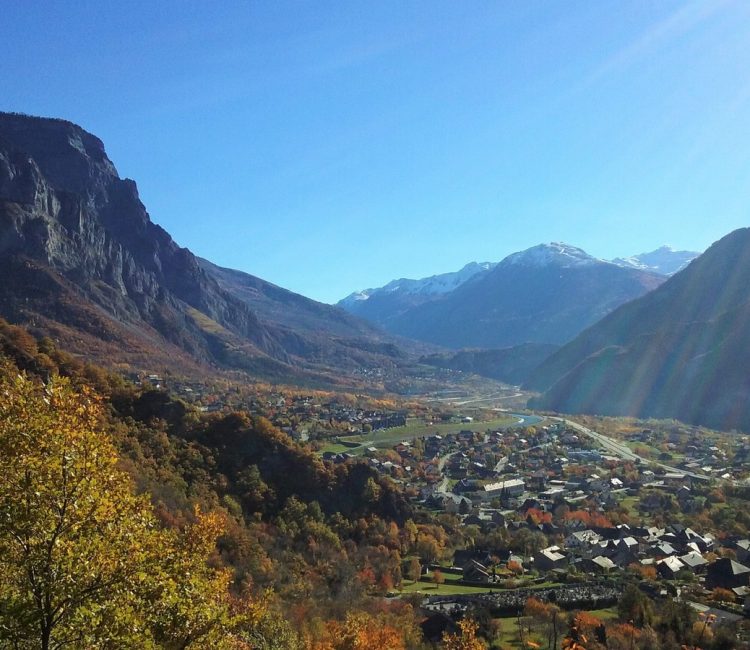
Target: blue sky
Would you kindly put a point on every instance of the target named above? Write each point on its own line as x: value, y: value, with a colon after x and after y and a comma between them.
x: 333, y: 146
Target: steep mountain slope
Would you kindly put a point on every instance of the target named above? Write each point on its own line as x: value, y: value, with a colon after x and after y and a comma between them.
x: 384, y: 304
x: 81, y: 260
x: 308, y: 328
x: 664, y: 260
x: 546, y: 294
x: 681, y: 351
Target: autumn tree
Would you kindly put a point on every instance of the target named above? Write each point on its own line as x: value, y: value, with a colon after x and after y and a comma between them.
x: 515, y: 567
x: 359, y: 631
x: 409, y: 534
x: 676, y: 619
x: 546, y: 620
x: 72, y: 536
x: 623, y: 636
x: 428, y: 548
x: 587, y: 632
x: 415, y: 569
x: 721, y: 595
x: 644, y: 571
x: 82, y: 561
x: 635, y: 606
x: 260, y: 625
x: 465, y: 639
x: 438, y: 578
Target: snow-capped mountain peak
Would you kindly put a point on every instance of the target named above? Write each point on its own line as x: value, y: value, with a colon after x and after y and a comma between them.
x: 664, y: 260
x: 552, y: 254
x: 433, y: 285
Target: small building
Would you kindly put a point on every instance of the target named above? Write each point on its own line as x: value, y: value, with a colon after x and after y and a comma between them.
x: 742, y: 549
x: 727, y: 574
x: 669, y: 567
x: 514, y: 487
x: 463, y: 557
x: 549, y: 559
x: 598, y: 564
x: 694, y: 561
x: 582, y: 538
x: 476, y: 572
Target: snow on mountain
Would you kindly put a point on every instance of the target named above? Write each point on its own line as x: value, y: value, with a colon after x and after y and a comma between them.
x: 433, y: 285
x: 630, y: 263
x: 553, y: 254
x: 545, y: 294
x: 664, y: 260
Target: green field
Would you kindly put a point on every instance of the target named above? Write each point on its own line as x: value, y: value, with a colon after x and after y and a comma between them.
x: 414, y: 428
x: 334, y: 447
x: 450, y: 587
x: 509, y: 638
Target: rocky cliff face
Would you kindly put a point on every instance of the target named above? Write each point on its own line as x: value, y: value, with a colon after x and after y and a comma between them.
x: 70, y: 225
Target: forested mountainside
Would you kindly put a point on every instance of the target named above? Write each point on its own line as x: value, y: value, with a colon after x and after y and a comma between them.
x: 262, y: 540
x: 681, y: 351
x: 82, y: 261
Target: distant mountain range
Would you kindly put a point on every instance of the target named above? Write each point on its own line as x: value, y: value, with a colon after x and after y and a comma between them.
x: 384, y: 305
x: 681, y: 351
x: 431, y: 286
x: 664, y: 260
x: 82, y: 262
x: 546, y: 294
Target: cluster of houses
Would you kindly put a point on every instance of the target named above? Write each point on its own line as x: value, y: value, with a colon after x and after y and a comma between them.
x: 509, y: 466
x: 309, y: 411
x: 694, y: 450
x: 602, y: 551
x: 506, y: 478
x: 461, y: 472
x: 295, y: 414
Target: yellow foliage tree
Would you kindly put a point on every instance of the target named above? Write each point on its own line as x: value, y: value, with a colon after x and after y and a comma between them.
x: 359, y: 631
x: 82, y: 561
x: 466, y: 639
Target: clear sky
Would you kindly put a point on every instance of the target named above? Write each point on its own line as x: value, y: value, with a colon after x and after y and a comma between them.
x: 333, y: 146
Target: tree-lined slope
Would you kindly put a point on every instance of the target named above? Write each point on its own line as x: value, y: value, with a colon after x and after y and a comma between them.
x: 308, y: 329
x: 681, y: 351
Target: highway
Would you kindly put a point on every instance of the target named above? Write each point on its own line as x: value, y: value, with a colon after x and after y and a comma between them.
x: 620, y: 449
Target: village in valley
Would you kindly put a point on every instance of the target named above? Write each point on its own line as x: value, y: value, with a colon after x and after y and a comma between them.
x: 541, y: 507
x: 554, y: 514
